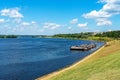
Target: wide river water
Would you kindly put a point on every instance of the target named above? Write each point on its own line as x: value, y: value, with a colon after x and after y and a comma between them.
x: 30, y: 58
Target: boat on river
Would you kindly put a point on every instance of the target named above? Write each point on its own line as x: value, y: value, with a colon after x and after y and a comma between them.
x: 83, y: 47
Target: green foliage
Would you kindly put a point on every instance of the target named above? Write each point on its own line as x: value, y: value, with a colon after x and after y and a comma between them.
x: 104, y: 36
x: 8, y: 36
x: 111, y: 34
x: 74, y: 36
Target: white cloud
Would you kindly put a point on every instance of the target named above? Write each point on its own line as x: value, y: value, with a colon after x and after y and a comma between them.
x: 102, y: 16
x: 17, y: 20
x: 2, y: 20
x: 96, y: 31
x: 102, y: 22
x: 11, y: 12
x: 74, y: 21
x: 97, y: 14
x: 69, y: 28
x: 25, y: 24
x: 86, y: 28
x: 41, y: 30
x: 12, y: 17
x: 109, y: 30
x: 82, y: 25
x: 51, y: 25
x: 111, y: 6
x: 33, y: 22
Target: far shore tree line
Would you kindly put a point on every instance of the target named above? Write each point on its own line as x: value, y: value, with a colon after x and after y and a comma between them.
x: 8, y: 36
x: 100, y: 36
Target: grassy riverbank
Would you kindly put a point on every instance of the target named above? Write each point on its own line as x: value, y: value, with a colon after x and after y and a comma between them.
x: 103, y: 65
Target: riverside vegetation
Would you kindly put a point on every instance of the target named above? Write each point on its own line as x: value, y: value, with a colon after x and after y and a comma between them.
x: 8, y: 36
x: 100, y: 36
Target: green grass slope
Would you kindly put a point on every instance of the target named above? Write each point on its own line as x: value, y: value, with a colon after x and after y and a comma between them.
x: 104, y: 65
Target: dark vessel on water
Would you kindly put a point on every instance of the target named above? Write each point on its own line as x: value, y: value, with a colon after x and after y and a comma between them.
x: 83, y: 47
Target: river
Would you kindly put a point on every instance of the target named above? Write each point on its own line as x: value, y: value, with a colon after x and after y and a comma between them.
x: 30, y: 58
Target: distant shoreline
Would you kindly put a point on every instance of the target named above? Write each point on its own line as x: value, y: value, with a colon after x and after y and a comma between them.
x: 8, y: 36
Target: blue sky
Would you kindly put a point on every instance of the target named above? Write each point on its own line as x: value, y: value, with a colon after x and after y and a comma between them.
x: 47, y: 17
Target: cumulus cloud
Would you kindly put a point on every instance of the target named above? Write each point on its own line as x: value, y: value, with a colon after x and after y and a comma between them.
x: 12, y: 17
x: 97, y: 14
x: 69, y: 28
x: 103, y: 21
x: 11, y: 12
x: 33, y: 22
x: 86, y: 28
x: 102, y: 16
x: 51, y: 25
x: 17, y: 20
x: 74, y: 21
x: 41, y: 30
x: 25, y: 24
x: 82, y: 25
x: 28, y: 23
x: 109, y: 30
x: 2, y: 20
